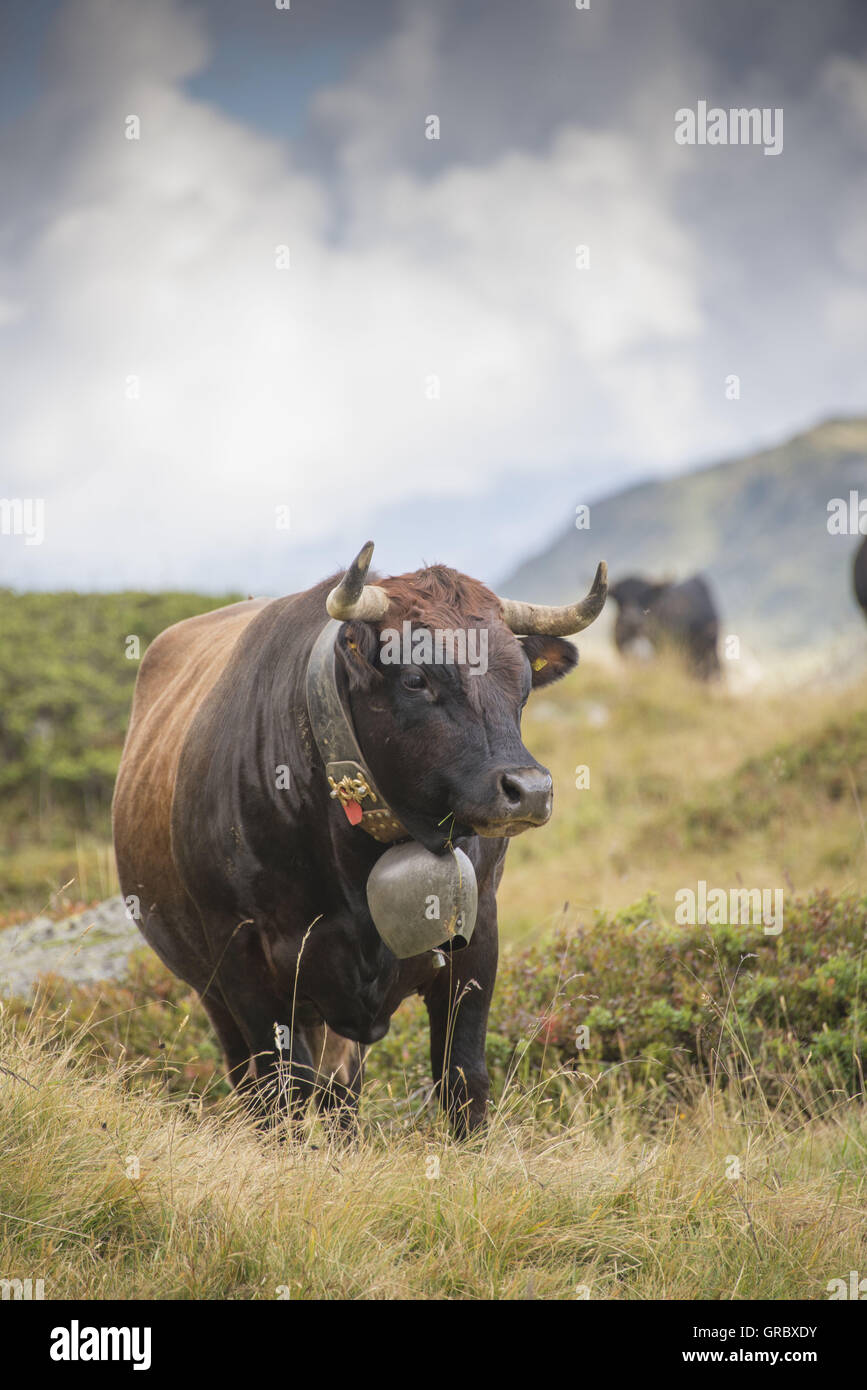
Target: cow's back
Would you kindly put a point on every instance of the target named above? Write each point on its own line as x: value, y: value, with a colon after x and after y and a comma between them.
x: 177, y: 672
x: 687, y: 607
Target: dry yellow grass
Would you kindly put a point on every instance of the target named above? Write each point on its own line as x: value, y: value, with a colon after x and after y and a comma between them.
x: 110, y: 1191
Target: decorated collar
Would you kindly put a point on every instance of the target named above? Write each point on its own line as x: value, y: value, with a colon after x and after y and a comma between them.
x: 349, y: 777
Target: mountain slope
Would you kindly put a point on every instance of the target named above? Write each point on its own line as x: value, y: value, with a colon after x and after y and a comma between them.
x: 755, y: 526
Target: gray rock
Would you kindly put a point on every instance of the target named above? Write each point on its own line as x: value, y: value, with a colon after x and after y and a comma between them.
x: 93, y: 945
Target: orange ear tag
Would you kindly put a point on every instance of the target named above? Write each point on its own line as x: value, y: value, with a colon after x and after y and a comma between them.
x: 353, y: 812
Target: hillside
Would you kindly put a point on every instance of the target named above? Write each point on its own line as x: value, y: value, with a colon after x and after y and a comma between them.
x: 67, y: 671
x: 755, y: 526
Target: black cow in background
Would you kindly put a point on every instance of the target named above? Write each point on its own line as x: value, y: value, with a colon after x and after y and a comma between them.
x: 668, y: 614
x: 860, y: 574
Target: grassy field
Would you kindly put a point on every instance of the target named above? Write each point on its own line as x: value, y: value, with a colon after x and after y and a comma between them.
x: 709, y: 1142
x: 687, y: 783
x: 109, y: 1188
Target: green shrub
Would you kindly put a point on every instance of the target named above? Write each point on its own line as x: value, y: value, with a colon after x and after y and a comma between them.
x: 65, y: 690
x: 682, y: 998
x: 659, y: 999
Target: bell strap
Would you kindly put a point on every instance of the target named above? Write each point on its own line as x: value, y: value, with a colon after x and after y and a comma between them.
x: 349, y: 777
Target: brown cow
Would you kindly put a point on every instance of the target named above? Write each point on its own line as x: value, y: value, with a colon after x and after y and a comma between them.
x: 251, y: 874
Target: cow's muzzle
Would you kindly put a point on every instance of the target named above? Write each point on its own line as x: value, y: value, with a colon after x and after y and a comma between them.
x: 523, y: 799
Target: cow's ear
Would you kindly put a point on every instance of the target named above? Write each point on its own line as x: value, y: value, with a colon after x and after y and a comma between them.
x: 549, y: 658
x: 357, y: 645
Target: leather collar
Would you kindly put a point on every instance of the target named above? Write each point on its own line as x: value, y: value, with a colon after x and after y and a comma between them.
x: 349, y: 777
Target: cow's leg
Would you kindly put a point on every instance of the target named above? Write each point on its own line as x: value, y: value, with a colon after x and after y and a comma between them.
x: 231, y: 1038
x: 275, y: 1082
x: 339, y: 1066
x: 458, y: 1001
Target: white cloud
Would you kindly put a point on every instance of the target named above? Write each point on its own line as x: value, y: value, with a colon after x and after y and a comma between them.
x: 155, y: 259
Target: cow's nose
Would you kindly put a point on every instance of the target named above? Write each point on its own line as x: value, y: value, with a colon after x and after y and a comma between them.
x: 528, y: 793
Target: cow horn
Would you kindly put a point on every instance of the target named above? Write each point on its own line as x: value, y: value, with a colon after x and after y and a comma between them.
x: 536, y: 619
x: 352, y: 598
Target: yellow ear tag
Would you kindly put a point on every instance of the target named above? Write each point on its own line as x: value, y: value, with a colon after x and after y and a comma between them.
x: 539, y: 663
x: 351, y: 646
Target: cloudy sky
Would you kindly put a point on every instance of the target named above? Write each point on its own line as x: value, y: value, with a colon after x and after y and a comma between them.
x: 432, y: 367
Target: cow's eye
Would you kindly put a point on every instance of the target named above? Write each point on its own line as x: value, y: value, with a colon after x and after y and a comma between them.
x: 413, y: 680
